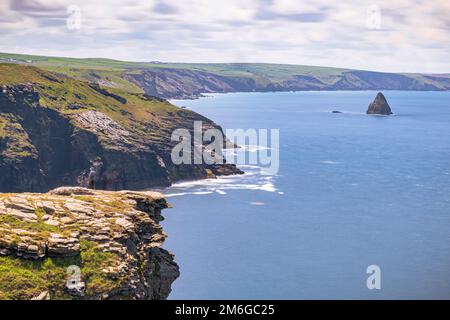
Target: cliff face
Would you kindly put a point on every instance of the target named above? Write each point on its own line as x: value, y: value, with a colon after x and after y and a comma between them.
x: 82, y: 244
x: 191, y: 80
x: 58, y: 131
x: 183, y: 83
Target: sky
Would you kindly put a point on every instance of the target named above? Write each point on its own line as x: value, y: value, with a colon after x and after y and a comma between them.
x: 381, y: 35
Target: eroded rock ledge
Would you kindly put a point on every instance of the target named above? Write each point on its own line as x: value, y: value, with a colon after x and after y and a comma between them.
x: 114, y: 238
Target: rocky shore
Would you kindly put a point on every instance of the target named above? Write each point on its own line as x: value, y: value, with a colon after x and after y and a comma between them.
x: 76, y: 243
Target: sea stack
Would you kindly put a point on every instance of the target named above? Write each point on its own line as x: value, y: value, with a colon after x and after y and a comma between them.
x: 379, y: 106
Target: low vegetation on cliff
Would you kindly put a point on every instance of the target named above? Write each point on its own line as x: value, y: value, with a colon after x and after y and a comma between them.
x: 111, y: 240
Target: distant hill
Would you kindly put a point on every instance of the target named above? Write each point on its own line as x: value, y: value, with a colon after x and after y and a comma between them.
x: 190, y: 80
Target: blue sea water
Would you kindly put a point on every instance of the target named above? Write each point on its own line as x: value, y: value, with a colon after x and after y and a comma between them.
x: 353, y: 190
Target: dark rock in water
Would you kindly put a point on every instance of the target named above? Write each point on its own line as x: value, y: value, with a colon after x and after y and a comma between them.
x: 379, y: 106
x: 336, y: 111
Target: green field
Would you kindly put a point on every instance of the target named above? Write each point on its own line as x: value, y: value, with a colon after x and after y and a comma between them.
x: 192, y: 79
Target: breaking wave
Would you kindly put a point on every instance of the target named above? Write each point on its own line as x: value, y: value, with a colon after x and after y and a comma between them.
x: 251, y: 180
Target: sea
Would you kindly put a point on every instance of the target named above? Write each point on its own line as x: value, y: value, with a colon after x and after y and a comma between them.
x: 354, y: 193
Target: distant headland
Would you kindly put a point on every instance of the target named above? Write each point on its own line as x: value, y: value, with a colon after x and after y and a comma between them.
x: 192, y: 80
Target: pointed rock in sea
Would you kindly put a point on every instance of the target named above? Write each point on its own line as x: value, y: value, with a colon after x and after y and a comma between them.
x: 379, y: 106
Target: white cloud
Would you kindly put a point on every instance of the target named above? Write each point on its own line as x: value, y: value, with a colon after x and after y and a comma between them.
x: 414, y: 34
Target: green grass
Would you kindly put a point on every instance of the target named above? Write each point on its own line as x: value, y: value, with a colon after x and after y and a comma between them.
x: 15, y: 140
x: 42, y: 229
x: 3, y: 123
x: 114, y: 206
x: 109, y: 77
x: 61, y: 93
x: 268, y: 69
x: 22, y: 279
x: 93, y: 260
x: 40, y: 213
x: 149, y: 120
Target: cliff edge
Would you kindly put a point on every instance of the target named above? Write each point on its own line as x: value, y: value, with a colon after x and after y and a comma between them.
x: 379, y: 106
x: 76, y: 243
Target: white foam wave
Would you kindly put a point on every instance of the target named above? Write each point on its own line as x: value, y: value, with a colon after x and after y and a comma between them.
x: 255, y: 148
x: 178, y: 194
x: 170, y: 195
x: 246, y: 148
x: 251, y: 180
x: 329, y: 162
x: 257, y: 203
x: 248, y: 166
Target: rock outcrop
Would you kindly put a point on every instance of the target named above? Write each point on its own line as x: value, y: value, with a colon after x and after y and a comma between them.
x: 379, y: 106
x: 83, y: 244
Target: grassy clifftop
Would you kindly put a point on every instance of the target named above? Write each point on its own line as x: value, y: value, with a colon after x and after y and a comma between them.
x: 70, y: 97
x: 110, y: 240
x: 62, y: 92
x: 115, y: 73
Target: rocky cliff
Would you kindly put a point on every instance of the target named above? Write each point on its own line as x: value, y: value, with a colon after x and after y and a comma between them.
x: 379, y: 106
x: 75, y: 243
x: 56, y: 131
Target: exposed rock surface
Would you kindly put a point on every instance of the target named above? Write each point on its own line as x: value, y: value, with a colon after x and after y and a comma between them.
x: 184, y: 83
x: 114, y: 238
x: 379, y: 106
x: 67, y: 132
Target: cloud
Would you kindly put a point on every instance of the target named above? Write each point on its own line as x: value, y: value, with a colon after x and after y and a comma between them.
x: 292, y: 11
x: 31, y: 6
x: 164, y: 8
x: 296, y: 17
x: 38, y: 8
x: 315, y: 32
